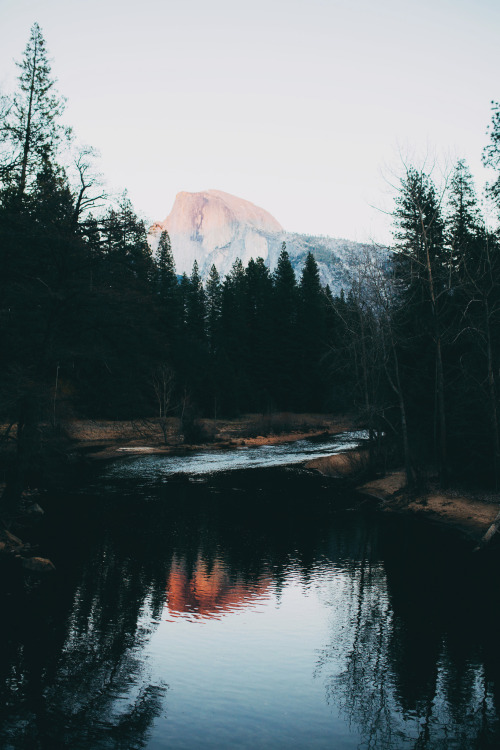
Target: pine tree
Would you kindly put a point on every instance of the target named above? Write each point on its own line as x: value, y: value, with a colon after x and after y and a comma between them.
x: 421, y: 264
x: 233, y: 338
x: 167, y: 278
x: 258, y: 327
x: 476, y: 339
x: 464, y: 218
x: 124, y: 236
x: 311, y: 332
x: 196, y: 312
x: 184, y: 292
x: 32, y: 128
x: 167, y: 288
x: 491, y: 154
x: 213, y: 290
x: 284, y: 335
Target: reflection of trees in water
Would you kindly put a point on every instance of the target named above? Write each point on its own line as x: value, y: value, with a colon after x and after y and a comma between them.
x: 409, y: 665
x: 407, y: 658
x: 72, y: 673
x: 78, y: 678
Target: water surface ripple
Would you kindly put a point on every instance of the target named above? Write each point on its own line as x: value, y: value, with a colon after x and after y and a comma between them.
x: 251, y: 610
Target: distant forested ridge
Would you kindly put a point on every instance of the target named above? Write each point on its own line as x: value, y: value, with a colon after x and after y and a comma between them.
x: 92, y: 325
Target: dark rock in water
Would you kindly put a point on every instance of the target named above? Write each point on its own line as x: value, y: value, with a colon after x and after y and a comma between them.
x: 38, y: 565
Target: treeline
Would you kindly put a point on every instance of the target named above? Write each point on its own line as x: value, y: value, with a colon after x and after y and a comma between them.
x: 253, y: 341
x: 426, y: 336
x: 92, y: 325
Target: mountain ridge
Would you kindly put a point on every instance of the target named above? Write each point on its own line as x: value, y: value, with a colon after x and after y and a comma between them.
x: 215, y: 227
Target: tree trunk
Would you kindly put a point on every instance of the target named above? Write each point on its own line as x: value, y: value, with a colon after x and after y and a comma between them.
x: 398, y: 390
x: 443, y: 458
x: 492, y: 398
x: 26, y: 147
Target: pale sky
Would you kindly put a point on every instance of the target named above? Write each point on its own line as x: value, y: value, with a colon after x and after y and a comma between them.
x: 300, y: 106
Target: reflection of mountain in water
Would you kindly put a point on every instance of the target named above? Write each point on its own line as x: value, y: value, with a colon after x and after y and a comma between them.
x: 406, y: 637
x: 210, y: 590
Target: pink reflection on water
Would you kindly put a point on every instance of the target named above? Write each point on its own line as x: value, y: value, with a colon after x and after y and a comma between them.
x: 210, y: 592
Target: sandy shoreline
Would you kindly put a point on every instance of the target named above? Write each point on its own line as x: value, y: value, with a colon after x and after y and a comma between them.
x: 468, y: 513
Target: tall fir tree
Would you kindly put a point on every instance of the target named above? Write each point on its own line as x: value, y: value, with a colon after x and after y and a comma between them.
x: 258, y: 327
x: 168, y: 289
x: 32, y: 130
x: 234, y: 342
x: 476, y: 329
x: 491, y: 154
x: 196, y: 310
x: 213, y: 290
x: 285, y: 360
x: 421, y: 263
x: 311, y: 335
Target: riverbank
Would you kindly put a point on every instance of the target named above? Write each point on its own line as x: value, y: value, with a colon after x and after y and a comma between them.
x: 89, y: 440
x: 107, y: 440
x: 469, y: 513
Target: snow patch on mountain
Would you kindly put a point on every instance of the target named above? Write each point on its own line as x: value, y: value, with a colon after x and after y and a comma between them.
x: 214, y: 227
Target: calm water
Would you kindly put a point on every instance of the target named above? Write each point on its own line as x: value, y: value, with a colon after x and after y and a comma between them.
x: 246, y: 609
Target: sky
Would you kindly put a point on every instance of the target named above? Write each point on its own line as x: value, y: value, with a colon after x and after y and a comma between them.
x: 307, y: 108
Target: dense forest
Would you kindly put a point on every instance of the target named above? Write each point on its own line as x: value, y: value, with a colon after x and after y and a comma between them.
x: 93, y: 325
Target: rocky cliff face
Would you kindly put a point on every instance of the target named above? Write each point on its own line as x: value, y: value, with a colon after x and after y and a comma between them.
x: 214, y: 227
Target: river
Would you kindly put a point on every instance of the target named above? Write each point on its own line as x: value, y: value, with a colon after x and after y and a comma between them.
x: 246, y: 605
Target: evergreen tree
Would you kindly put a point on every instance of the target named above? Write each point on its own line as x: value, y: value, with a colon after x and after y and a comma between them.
x: 124, y: 237
x: 31, y: 130
x: 214, y: 307
x: 284, y: 370
x: 184, y: 292
x: 168, y: 288
x: 476, y: 330
x: 311, y: 332
x: 464, y: 221
x: 258, y: 311
x: 43, y: 281
x: 491, y: 154
x: 196, y: 312
x: 421, y: 263
x: 167, y: 278
x: 233, y: 349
